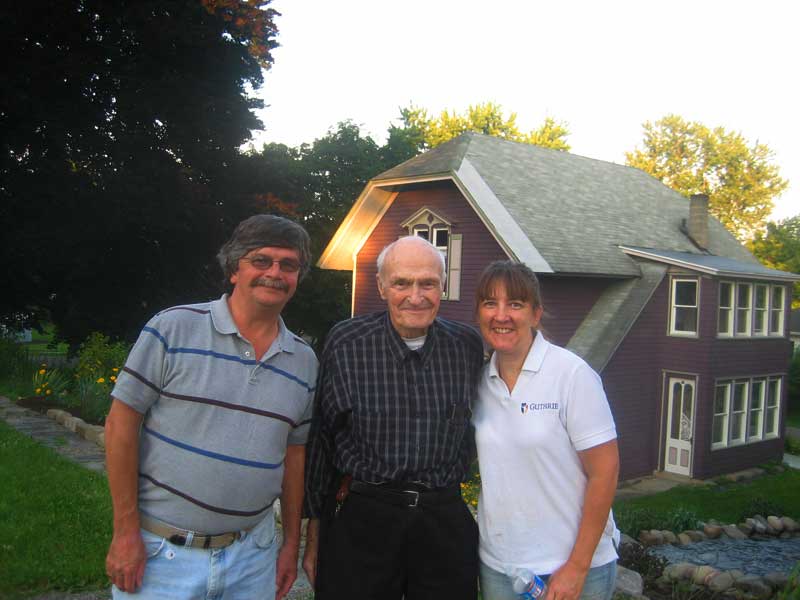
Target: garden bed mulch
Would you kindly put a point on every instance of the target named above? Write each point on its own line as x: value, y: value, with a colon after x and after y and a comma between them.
x: 41, y: 404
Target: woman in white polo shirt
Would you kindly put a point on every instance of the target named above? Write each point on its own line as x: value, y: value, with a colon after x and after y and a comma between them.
x: 547, y: 451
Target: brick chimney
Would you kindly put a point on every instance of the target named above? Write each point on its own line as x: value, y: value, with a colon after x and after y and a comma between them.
x: 698, y: 219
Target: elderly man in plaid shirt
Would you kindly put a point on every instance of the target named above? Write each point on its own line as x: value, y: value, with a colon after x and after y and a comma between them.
x: 391, y: 443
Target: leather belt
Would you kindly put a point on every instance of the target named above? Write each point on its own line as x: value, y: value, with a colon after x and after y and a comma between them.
x: 189, y: 539
x: 407, y: 495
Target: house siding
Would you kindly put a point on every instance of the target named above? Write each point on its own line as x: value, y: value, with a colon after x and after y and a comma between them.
x: 479, y: 247
x: 635, y: 381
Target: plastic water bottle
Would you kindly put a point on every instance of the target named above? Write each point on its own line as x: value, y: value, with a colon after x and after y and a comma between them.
x: 527, y: 584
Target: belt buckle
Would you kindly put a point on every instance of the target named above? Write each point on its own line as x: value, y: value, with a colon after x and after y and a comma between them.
x: 416, y: 498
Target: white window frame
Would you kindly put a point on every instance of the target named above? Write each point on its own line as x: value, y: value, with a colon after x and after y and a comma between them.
x: 726, y: 311
x: 761, y: 313
x: 772, y: 404
x: 777, y: 315
x: 673, y: 307
x: 762, y: 401
x: 758, y: 393
x: 747, y: 311
x: 723, y: 415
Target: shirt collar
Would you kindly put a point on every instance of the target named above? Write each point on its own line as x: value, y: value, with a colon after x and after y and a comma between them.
x: 533, y: 361
x: 223, y: 322
x: 400, y: 349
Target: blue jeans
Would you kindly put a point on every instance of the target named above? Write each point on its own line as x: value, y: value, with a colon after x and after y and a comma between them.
x: 599, y: 583
x: 242, y: 571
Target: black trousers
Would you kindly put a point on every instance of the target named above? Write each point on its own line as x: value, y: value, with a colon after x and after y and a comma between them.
x: 371, y: 550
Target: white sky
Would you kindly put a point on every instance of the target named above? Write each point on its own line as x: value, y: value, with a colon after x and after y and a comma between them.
x: 604, y: 68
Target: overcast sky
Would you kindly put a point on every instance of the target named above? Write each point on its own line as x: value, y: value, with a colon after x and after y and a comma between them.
x: 604, y: 68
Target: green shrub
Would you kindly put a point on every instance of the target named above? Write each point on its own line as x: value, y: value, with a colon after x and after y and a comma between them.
x: 681, y: 519
x: 14, y: 360
x: 93, y: 399
x: 792, y: 446
x: 794, y: 379
x: 100, y: 358
x: 637, y: 558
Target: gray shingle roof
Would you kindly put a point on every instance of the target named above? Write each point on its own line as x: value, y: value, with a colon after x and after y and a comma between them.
x: 576, y: 211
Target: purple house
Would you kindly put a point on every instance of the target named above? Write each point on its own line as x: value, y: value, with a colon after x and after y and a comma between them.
x: 686, y: 328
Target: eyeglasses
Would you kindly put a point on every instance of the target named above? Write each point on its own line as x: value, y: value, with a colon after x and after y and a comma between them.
x: 264, y: 263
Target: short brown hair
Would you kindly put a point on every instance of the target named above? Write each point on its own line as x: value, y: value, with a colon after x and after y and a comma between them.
x: 518, y: 278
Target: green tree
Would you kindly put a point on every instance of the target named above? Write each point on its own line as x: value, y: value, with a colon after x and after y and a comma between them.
x: 739, y: 177
x: 120, y: 174
x: 487, y: 118
x: 779, y: 248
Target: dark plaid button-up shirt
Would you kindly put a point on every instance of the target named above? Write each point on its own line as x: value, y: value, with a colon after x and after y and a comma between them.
x: 383, y: 412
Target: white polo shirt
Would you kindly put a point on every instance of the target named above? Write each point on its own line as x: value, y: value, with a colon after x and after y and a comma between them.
x: 533, y: 484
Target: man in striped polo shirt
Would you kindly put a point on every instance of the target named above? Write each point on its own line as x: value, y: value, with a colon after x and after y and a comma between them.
x: 207, y: 429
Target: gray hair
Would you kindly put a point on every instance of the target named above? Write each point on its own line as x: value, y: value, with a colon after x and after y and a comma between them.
x: 260, y: 231
x: 385, y: 252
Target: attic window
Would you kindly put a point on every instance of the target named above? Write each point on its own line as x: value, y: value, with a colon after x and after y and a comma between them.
x: 429, y: 225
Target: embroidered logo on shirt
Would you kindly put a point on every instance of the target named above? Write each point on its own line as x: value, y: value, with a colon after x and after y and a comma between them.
x: 524, y: 407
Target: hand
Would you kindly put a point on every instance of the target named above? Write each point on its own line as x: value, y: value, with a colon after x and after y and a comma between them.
x: 286, y: 570
x: 310, y: 554
x: 566, y: 583
x: 126, y: 560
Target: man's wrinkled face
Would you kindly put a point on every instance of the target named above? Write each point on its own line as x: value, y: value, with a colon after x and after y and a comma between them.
x: 411, y: 284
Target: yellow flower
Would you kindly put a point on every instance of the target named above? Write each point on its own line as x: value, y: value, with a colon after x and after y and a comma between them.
x: 38, y: 390
x: 48, y: 392
x: 101, y: 380
x: 115, y: 369
x: 113, y: 378
x: 42, y: 371
x: 44, y: 364
x: 44, y: 384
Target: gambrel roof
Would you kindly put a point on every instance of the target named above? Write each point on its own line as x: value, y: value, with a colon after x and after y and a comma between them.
x: 558, y: 212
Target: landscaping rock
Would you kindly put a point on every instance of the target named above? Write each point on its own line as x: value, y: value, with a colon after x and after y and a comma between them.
x: 785, y: 535
x: 56, y: 414
x: 651, y: 538
x: 91, y: 432
x: 669, y: 537
x: 101, y: 439
x: 733, y: 532
x: 680, y: 571
x: 62, y: 416
x: 720, y: 582
x: 736, y: 574
x: 745, y: 529
x: 703, y: 574
x: 72, y: 423
x: 625, y: 539
x: 684, y: 539
x: 777, y: 581
x: 789, y: 524
x: 754, y: 585
x: 759, y: 525
x: 712, y: 531
x: 697, y: 536
x: 628, y: 582
x: 775, y: 523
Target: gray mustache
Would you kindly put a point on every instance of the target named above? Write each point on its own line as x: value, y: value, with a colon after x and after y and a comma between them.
x: 270, y: 283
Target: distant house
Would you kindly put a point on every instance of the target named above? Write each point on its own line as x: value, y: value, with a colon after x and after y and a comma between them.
x: 687, y: 329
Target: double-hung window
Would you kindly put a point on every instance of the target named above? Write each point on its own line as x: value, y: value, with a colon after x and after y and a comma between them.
x: 683, y: 313
x: 725, y: 315
x: 745, y: 411
x: 760, y: 299
x: 776, y: 310
x: 743, y: 314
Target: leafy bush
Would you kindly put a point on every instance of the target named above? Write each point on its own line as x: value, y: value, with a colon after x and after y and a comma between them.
x: 792, y: 446
x: 14, y: 360
x: 681, y: 519
x: 93, y: 398
x: 100, y: 358
x: 637, y: 558
x: 49, y: 382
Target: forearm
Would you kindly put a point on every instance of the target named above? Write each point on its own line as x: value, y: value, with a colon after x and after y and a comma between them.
x: 292, y: 494
x: 122, y: 464
x: 602, y: 467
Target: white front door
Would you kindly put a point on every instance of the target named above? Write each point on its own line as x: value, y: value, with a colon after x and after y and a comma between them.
x: 680, y: 426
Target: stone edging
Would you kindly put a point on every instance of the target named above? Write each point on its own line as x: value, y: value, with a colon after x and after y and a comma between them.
x: 91, y: 433
x: 752, y: 586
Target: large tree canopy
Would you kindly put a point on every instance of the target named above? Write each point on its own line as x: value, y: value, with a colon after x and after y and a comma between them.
x: 691, y: 158
x: 428, y: 132
x: 119, y: 167
x: 779, y: 248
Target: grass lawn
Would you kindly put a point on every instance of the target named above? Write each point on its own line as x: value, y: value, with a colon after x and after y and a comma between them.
x: 55, y: 520
x: 727, y: 503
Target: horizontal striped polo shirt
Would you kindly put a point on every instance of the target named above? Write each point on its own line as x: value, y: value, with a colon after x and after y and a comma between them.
x: 216, y: 419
